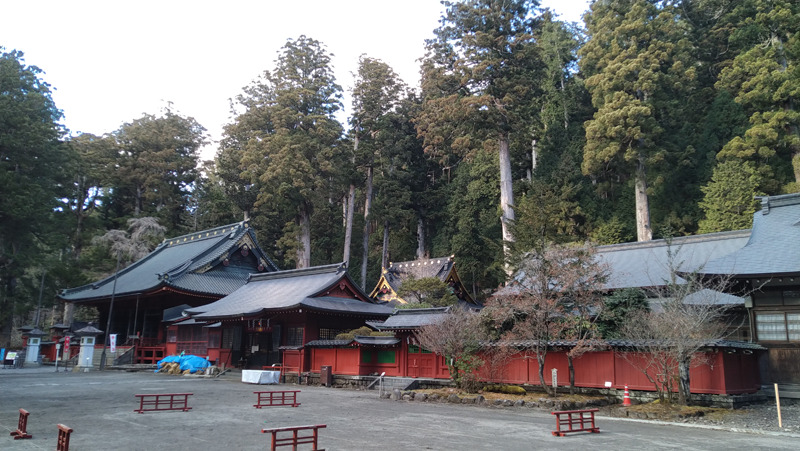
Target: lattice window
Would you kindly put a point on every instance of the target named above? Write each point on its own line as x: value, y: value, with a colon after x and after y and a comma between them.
x: 778, y: 326
x: 294, y: 336
x: 329, y: 334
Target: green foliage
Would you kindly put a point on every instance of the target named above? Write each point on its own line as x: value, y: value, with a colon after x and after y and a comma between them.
x: 31, y: 182
x: 765, y: 80
x: 466, y: 370
x: 285, y: 143
x: 729, y: 201
x: 363, y: 331
x: 469, y: 227
x: 429, y: 290
x: 618, y: 307
x: 639, y: 66
x: 612, y: 231
x: 156, y: 168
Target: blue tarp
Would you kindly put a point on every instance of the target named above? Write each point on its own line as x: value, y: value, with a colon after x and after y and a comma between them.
x: 192, y: 363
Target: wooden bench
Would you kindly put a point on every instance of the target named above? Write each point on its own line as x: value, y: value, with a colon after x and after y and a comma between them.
x: 575, y: 421
x: 22, y: 426
x: 295, y: 439
x: 163, y: 401
x: 63, y: 438
x: 276, y: 398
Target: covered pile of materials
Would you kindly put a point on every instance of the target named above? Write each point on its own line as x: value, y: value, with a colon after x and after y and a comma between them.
x: 182, y: 364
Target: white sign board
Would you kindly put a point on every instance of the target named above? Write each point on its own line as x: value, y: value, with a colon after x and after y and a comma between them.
x: 112, y: 339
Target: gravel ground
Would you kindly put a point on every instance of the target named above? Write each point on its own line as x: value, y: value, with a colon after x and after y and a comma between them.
x: 757, y: 417
x: 762, y: 417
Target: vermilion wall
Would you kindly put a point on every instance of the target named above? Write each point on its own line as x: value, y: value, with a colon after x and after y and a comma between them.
x: 725, y: 373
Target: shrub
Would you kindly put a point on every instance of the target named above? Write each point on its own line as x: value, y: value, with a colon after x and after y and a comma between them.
x: 507, y: 389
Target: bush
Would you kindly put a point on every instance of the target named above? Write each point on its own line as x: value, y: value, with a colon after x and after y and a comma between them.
x: 507, y: 389
x: 363, y: 331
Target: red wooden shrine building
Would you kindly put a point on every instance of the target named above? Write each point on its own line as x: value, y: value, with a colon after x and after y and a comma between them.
x: 274, y: 316
x: 182, y: 272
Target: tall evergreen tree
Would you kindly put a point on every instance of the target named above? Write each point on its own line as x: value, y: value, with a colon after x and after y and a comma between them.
x: 477, y: 80
x: 91, y: 180
x: 376, y: 93
x: 288, y: 155
x: 638, y: 61
x: 765, y: 80
x: 157, y: 167
x: 31, y: 182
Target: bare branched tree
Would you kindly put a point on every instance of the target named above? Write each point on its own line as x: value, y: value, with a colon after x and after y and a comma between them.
x: 688, y: 314
x: 141, y: 237
x: 458, y: 337
x: 553, y: 297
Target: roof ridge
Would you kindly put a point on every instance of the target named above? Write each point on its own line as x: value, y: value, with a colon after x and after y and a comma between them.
x: 323, y: 269
x: 421, y: 260
x: 420, y: 311
x: 781, y: 200
x: 203, y: 234
x: 678, y: 240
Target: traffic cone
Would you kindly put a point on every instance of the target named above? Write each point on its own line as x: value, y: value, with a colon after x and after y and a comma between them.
x: 626, y: 399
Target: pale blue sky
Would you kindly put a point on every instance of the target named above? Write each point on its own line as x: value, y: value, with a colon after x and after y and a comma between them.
x: 110, y: 62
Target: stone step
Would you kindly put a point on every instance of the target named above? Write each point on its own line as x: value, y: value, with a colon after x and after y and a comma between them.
x: 390, y: 383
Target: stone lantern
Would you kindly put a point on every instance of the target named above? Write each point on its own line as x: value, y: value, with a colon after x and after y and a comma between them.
x: 34, y: 338
x: 88, y: 336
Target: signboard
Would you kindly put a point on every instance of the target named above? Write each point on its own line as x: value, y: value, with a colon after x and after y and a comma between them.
x: 66, y: 342
x: 112, y: 340
x: 555, y: 378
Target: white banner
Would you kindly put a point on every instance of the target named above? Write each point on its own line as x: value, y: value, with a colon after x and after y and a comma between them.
x: 112, y: 339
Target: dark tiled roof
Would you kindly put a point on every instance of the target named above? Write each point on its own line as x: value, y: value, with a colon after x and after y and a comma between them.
x: 337, y: 304
x: 328, y: 343
x: 774, y: 245
x: 646, y: 264
x: 192, y: 263
x: 362, y: 340
x: 397, y: 272
x: 413, y: 318
x: 633, y: 344
x: 291, y: 289
x: 376, y: 341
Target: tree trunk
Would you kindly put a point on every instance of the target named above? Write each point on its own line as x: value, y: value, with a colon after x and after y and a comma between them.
x: 571, y: 374
x: 348, y: 230
x: 367, y: 208
x: 304, y: 252
x: 137, y: 208
x: 540, y: 358
x: 385, y: 253
x: 684, y: 390
x: 506, y: 195
x: 532, y: 170
x: 420, y: 238
x: 643, y: 231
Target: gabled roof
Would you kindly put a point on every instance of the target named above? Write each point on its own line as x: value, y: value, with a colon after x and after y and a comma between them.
x: 410, y: 319
x: 442, y: 268
x: 358, y: 339
x: 774, y: 245
x: 200, y: 263
x: 318, y: 288
x: 647, y: 264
